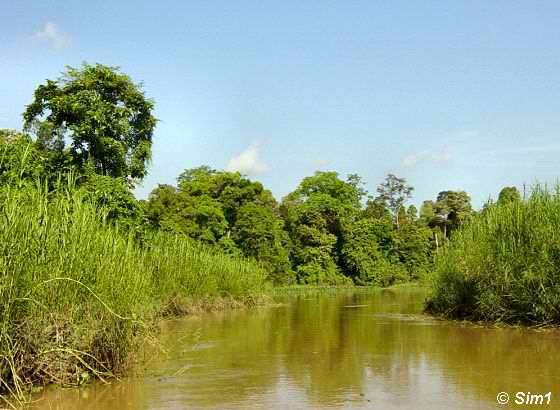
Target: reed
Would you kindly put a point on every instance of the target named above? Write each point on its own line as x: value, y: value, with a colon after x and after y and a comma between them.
x: 505, y: 265
x: 76, y: 290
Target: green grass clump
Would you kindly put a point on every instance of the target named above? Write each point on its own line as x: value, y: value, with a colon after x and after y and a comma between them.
x: 76, y: 291
x: 504, y: 266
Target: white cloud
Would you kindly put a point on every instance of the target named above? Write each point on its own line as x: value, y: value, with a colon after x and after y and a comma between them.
x: 413, y: 159
x: 52, y: 35
x: 439, y: 157
x: 248, y: 162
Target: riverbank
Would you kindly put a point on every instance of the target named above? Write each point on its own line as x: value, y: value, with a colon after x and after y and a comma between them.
x: 79, y: 294
x: 337, y: 289
x: 327, y: 350
x: 504, y: 265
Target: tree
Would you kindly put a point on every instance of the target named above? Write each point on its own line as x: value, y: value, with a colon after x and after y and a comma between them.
x: 367, y: 252
x: 231, y: 189
x: 412, y: 247
x: 200, y: 218
x: 377, y: 208
x: 315, y: 214
x: 195, y: 174
x: 394, y: 192
x: 427, y: 212
x: 429, y: 218
x: 402, y: 216
x: 412, y: 214
x: 453, y: 208
x: 103, y: 114
x: 162, y: 200
x: 349, y: 192
x: 259, y: 233
x: 508, y: 195
x: 227, y: 210
x: 360, y: 251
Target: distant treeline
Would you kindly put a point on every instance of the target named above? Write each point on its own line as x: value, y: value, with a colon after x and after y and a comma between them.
x: 96, y: 123
x: 327, y: 231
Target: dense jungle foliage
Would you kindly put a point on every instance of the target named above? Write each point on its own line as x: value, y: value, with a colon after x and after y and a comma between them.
x: 81, y: 257
x: 95, y: 123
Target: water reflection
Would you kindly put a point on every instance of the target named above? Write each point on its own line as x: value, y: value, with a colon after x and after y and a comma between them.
x: 363, y: 350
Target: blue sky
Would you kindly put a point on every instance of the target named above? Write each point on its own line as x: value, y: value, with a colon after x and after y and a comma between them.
x: 450, y: 95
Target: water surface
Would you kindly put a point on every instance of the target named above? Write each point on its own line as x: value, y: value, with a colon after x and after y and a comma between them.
x: 339, y: 350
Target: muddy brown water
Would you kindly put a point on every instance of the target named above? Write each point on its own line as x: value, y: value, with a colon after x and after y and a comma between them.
x: 338, y: 350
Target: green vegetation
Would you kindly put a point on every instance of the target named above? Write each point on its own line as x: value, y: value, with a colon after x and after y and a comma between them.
x: 83, y: 273
x: 85, y: 267
x: 504, y: 266
x: 450, y: 211
x: 338, y: 240
x: 228, y: 211
x: 102, y: 112
x: 76, y: 290
x: 322, y: 233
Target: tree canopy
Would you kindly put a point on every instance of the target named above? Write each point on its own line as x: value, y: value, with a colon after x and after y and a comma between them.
x: 227, y: 210
x: 95, y: 125
x: 336, y: 238
x: 101, y: 113
x: 394, y: 192
x: 453, y: 209
x: 508, y: 194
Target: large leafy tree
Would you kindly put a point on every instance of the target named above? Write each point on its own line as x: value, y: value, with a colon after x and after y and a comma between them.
x: 315, y: 214
x: 363, y: 258
x: 231, y: 189
x: 259, y: 233
x: 224, y: 209
x: 314, y: 227
x: 375, y: 252
x: 102, y: 114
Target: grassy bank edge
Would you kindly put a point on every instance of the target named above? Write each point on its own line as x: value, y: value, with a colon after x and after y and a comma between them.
x: 78, y: 293
x: 177, y: 307
x: 504, y: 265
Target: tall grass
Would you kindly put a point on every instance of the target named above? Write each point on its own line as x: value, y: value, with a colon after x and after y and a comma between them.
x: 505, y: 265
x: 75, y: 290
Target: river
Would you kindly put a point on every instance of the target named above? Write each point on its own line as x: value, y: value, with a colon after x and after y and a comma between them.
x: 343, y: 349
